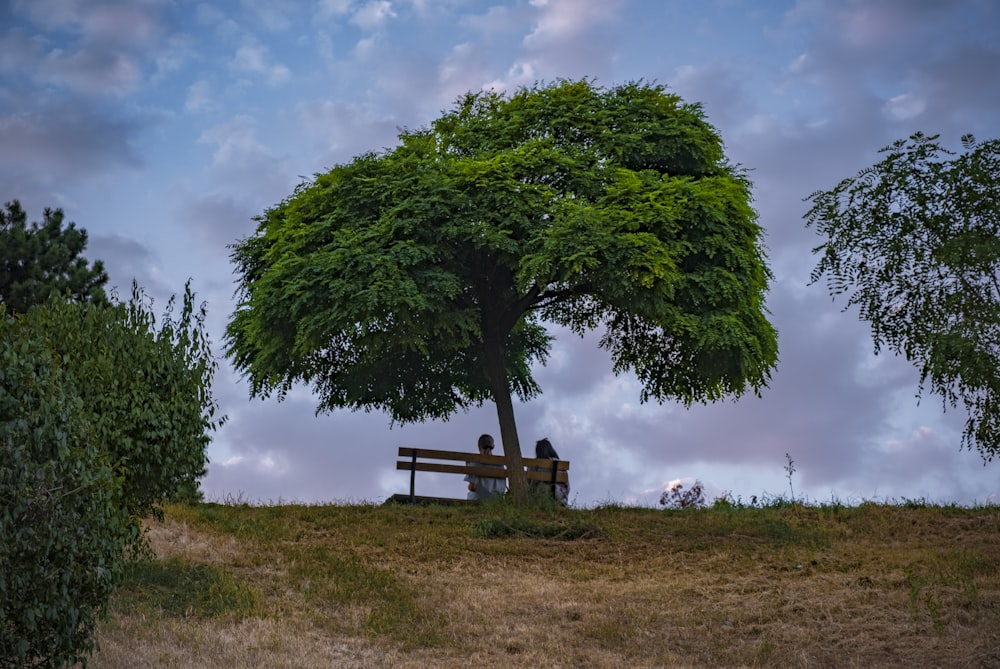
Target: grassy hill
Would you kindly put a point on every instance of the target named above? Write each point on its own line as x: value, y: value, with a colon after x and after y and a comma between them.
x: 396, y: 586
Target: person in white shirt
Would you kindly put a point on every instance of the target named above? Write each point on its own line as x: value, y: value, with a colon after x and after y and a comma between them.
x: 485, y: 487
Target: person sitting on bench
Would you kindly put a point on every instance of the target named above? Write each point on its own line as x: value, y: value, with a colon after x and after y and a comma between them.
x: 545, y: 451
x: 485, y: 487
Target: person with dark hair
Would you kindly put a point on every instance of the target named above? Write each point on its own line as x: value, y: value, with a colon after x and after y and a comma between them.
x: 560, y: 491
x: 485, y: 487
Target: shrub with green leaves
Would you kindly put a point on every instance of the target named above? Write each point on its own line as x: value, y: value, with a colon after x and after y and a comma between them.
x: 63, y: 529
x: 147, y: 387
x: 103, y: 414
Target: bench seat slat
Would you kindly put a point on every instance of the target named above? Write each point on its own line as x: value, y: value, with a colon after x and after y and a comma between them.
x: 431, y: 454
x: 489, y: 472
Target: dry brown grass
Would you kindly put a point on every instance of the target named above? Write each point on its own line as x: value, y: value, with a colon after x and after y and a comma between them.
x: 373, y: 586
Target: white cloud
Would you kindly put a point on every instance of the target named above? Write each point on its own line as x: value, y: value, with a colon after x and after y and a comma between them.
x: 334, y: 7
x: 365, y: 48
x: 461, y: 65
x: 234, y: 140
x: 199, y: 96
x: 241, y: 165
x: 520, y: 74
x: 177, y: 53
x: 373, y: 15
x: 799, y: 64
x: 346, y: 128
x: 272, y: 15
x: 564, y: 20
x: 254, y: 58
x: 904, y: 107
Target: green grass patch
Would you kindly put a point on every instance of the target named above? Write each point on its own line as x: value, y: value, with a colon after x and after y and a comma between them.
x: 178, y: 588
x: 519, y: 526
x: 337, y: 582
x: 541, y: 518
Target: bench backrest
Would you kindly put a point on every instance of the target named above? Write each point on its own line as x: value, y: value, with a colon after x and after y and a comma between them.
x: 490, y: 466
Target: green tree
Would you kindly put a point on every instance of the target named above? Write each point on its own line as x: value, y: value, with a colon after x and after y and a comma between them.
x: 146, y: 387
x: 63, y: 529
x: 915, y: 243
x: 418, y: 280
x: 41, y: 260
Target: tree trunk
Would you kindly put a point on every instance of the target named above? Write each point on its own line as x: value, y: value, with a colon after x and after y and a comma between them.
x: 500, y: 386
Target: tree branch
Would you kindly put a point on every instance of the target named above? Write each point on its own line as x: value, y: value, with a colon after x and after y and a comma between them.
x: 513, y: 312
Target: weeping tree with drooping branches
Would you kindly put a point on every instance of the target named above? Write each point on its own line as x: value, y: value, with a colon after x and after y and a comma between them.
x: 914, y: 244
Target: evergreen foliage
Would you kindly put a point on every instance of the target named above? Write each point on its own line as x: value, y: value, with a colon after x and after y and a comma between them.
x: 44, y: 259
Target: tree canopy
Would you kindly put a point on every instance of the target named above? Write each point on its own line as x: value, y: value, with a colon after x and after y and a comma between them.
x: 418, y: 280
x: 914, y: 242
x: 39, y: 260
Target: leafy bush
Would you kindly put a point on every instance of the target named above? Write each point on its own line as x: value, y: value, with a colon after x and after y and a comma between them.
x: 147, y: 388
x: 103, y: 415
x: 63, y: 530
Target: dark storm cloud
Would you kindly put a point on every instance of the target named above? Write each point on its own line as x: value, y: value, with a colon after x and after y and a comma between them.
x: 68, y: 141
x: 218, y: 220
x: 93, y: 48
x: 126, y: 260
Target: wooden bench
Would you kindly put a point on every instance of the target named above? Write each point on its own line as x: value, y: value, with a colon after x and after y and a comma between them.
x: 430, y: 460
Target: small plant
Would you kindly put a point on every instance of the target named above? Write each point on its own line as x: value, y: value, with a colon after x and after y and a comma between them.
x: 790, y: 469
x: 726, y: 501
x: 680, y: 498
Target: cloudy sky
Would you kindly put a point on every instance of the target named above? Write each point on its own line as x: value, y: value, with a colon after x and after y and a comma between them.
x: 164, y: 126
